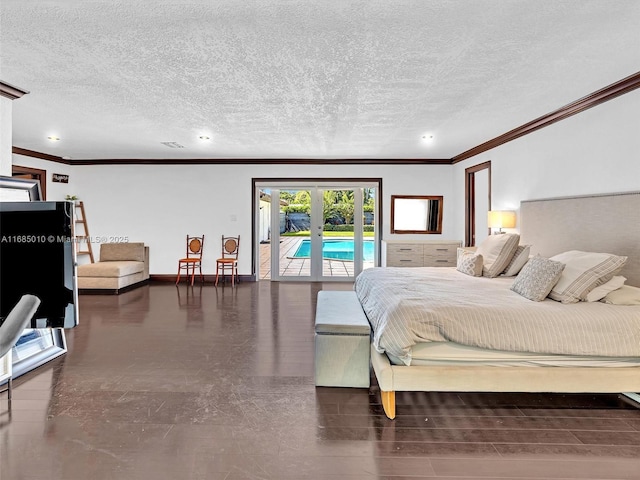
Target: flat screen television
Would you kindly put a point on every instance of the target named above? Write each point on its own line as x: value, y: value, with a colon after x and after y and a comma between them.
x: 37, y: 256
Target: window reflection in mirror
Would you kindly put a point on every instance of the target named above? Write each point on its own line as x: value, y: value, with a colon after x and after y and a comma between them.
x: 416, y: 214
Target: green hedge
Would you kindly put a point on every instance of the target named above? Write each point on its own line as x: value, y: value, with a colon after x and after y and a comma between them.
x: 346, y: 228
x: 297, y: 208
x: 306, y: 208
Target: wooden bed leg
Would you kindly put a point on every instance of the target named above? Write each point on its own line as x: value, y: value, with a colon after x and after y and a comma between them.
x: 389, y: 403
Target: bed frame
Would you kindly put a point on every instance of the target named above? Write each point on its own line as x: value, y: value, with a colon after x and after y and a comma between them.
x: 597, y: 223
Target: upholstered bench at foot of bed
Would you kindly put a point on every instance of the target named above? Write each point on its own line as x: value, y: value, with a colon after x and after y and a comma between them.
x: 342, y: 341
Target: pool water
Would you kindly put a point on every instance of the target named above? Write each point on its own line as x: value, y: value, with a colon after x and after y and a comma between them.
x: 336, y: 250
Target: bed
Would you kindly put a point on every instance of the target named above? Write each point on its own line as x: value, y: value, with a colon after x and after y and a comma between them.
x: 477, y: 334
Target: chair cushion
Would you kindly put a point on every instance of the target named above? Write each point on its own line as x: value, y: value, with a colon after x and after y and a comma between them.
x: 110, y: 269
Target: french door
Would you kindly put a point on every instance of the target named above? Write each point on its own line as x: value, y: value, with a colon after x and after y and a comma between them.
x: 321, y: 232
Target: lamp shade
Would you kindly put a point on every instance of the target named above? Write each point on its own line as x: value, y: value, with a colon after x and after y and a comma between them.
x: 501, y: 219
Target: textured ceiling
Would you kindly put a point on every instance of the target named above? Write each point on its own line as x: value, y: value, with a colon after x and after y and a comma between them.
x: 301, y: 78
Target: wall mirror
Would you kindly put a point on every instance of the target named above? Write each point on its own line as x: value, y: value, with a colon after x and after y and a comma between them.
x: 416, y: 214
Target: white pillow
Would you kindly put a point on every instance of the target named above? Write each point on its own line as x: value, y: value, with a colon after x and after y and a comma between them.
x: 497, y: 251
x: 584, y: 271
x: 603, y: 290
x: 625, y: 295
x: 469, y: 263
x: 520, y: 257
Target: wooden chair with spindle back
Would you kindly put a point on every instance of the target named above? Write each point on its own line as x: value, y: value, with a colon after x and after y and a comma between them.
x: 193, y: 260
x: 229, y: 258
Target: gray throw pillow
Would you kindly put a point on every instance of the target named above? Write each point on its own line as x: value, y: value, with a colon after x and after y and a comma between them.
x: 537, y: 278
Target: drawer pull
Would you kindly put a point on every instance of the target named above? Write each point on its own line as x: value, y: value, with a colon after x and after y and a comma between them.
x: 442, y: 249
x: 405, y: 249
x: 442, y: 261
x: 403, y: 260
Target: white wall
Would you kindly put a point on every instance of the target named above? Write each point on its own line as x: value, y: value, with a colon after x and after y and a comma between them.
x: 6, y: 130
x: 160, y: 204
x: 595, y: 151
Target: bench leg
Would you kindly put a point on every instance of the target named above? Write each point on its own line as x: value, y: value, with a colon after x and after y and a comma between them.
x: 389, y: 403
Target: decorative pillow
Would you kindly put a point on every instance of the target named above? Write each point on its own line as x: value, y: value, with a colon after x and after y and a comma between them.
x: 603, y: 290
x: 469, y: 263
x: 625, y: 295
x: 520, y: 257
x: 584, y: 271
x: 497, y: 251
x: 537, y: 278
x: 118, y: 252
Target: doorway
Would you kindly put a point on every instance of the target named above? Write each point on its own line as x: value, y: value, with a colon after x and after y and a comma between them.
x: 316, y: 231
x: 32, y: 174
x: 477, y: 203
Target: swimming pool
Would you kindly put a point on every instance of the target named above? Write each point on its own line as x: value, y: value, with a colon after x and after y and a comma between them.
x: 336, y: 250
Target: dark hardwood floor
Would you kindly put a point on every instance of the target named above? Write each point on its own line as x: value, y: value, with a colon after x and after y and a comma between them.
x: 167, y: 382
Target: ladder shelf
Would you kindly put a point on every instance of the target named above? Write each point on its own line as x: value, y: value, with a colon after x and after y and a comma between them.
x: 84, y: 238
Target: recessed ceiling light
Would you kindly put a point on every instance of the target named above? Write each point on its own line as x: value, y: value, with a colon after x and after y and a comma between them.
x: 204, y: 137
x: 427, y: 138
x: 53, y: 138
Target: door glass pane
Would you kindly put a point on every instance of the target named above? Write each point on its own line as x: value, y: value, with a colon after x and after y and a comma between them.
x: 264, y: 232
x: 338, y: 233
x: 369, y: 227
x: 295, y: 246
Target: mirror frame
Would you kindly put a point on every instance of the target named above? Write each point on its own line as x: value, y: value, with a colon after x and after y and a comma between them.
x: 440, y: 200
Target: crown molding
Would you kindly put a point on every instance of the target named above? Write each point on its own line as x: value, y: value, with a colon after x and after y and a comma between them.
x: 43, y: 156
x: 236, y: 161
x: 605, y: 94
x: 10, y: 91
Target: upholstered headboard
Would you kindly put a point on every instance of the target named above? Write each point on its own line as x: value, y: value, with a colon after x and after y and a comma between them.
x: 596, y: 223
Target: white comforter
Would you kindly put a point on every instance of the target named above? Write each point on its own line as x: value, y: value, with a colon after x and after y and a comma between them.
x: 410, y: 305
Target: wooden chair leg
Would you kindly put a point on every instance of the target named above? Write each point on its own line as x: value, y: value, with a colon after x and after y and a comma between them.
x: 179, y: 268
x: 217, y: 272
